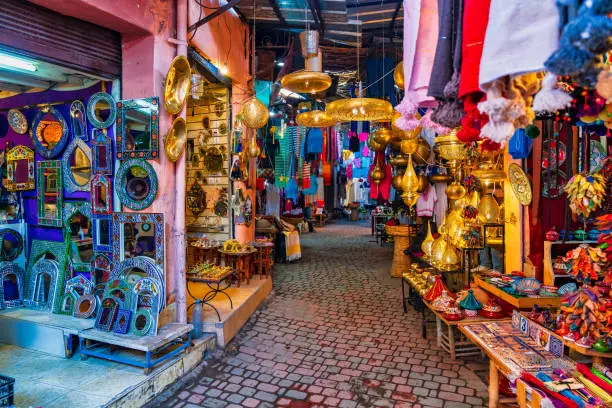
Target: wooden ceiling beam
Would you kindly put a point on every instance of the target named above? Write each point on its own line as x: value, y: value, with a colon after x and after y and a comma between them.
x: 277, y: 11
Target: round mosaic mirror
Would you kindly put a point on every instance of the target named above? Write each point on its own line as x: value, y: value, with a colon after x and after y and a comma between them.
x: 141, y: 323
x: 11, y: 245
x: 136, y: 184
x: 49, y: 132
x: 101, y: 110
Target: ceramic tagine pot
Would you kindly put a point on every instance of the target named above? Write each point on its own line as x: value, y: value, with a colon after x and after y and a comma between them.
x: 492, y: 309
x: 601, y: 345
x: 452, y: 312
x: 442, y: 301
x: 436, y: 290
x: 470, y: 304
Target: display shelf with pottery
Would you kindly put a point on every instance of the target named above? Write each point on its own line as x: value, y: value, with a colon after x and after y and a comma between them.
x: 518, y: 302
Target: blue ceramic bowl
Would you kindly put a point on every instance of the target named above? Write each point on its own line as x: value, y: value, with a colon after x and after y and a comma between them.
x: 527, y: 286
x: 567, y: 288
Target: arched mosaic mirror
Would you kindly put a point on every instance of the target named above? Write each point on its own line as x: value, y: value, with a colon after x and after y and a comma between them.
x: 77, y: 166
x: 44, y: 287
x: 78, y: 234
x: 101, y: 195
x: 102, y: 153
x: 136, y: 184
x: 78, y: 120
x: 101, y: 110
x: 19, y: 169
x: 11, y: 285
x: 49, y: 132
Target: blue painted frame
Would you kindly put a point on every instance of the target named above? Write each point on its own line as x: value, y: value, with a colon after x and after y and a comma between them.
x: 101, y: 179
x: 38, y: 146
x: 120, y: 184
x: 98, y: 140
x: 153, y: 218
x: 97, y: 247
x: 91, y: 113
x: 78, y: 122
x: 123, y: 152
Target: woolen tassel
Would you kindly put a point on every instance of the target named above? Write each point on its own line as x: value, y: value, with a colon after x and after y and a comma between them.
x: 604, y: 85
x: 406, y: 124
x: 407, y: 106
x: 451, y: 89
x: 448, y: 113
x: 468, y: 134
x: 550, y: 99
x: 498, y: 132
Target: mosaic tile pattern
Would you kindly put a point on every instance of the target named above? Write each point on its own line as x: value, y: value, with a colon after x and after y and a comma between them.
x: 332, y: 334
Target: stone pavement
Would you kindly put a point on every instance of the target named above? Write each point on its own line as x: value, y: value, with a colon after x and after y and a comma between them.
x: 332, y: 333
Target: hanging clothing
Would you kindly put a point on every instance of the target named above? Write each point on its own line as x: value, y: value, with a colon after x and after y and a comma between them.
x: 314, y: 141
x: 509, y: 46
x: 320, y: 190
x: 272, y: 200
x: 354, y: 145
x: 383, y: 189
x: 441, y: 204
x: 475, y: 18
x: 426, y: 202
x: 448, y: 51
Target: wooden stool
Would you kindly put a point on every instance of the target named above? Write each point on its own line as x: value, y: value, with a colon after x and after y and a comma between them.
x: 263, y: 259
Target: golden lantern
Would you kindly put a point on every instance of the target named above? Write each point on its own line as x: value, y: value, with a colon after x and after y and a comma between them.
x: 473, y: 199
x: 410, y: 182
x: 442, y: 229
x: 449, y: 260
x: 398, y: 75
x: 437, y: 250
x: 455, y: 191
x: 410, y: 198
x: 374, y: 145
x: 440, y: 178
x: 451, y: 149
x: 253, y: 149
x: 315, y: 119
x: 254, y: 114
x: 452, y: 222
x: 409, y: 146
x: 377, y: 175
x: 423, y: 183
x: 460, y: 204
x: 381, y: 136
x: 399, y: 134
x: 397, y: 181
x: 427, y: 243
x: 422, y: 152
x: 488, y: 209
x: 360, y: 109
x: 306, y: 82
x: 399, y: 161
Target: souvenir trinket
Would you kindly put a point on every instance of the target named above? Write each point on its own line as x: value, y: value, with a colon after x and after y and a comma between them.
x: 492, y: 309
x: 470, y: 304
x: 442, y: 301
x: 452, y: 312
x: 436, y: 290
x: 17, y: 121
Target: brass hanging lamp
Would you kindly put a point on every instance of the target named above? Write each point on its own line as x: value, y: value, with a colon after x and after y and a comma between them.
x: 315, y: 119
x: 310, y: 80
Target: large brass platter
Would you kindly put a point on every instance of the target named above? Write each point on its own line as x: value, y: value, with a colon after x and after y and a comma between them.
x: 520, y: 184
x: 177, y: 85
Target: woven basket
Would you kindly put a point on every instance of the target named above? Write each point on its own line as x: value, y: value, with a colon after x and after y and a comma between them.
x: 401, y: 230
x: 293, y: 221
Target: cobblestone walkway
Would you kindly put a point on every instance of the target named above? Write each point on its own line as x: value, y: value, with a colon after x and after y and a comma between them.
x: 332, y: 333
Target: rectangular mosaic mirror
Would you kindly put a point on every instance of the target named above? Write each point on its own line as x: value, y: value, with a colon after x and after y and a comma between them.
x: 102, y: 233
x: 138, y: 234
x: 138, y: 121
x: 50, y: 193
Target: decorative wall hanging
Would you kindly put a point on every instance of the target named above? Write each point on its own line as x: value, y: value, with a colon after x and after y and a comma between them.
x: 78, y: 120
x: 77, y: 166
x: 49, y: 132
x: 213, y: 160
x: 85, y: 306
x: 102, y: 153
x: 50, y: 193
x: 132, y: 270
x: 101, y: 267
x: 101, y: 195
x: 78, y: 234
x: 79, y: 285
x: 102, y: 233
x: 248, y: 211
x: 121, y: 290
x: 46, y: 281
x: 17, y: 121
x: 122, y: 321
x: 67, y: 304
x: 11, y: 285
x: 101, y: 110
x: 519, y: 183
x: 196, y: 199
x: 108, y: 313
x: 147, y: 295
x: 177, y: 85
x: 19, y: 169
x: 40, y: 249
x: 222, y: 203
x: 142, y: 322
x: 138, y: 122
x: 129, y: 239
x: 136, y: 184
x: 175, y: 140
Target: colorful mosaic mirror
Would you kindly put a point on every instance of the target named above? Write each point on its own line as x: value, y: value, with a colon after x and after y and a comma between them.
x: 102, y: 233
x: 19, y: 169
x: 50, y: 193
x: 11, y: 285
x: 102, y: 153
x: 138, y: 122
x: 132, y: 270
x: 138, y: 234
x: 101, y: 110
x: 11, y: 245
x: 100, y: 268
x: 136, y: 184
x: 44, y: 288
x: 78, y: 120
x: 49, y: 132
x: 77, y: 166
x: 78, y: 234
x: 101, y: 195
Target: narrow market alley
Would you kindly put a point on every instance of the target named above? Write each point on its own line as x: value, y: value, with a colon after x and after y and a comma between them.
x: 332, y: 333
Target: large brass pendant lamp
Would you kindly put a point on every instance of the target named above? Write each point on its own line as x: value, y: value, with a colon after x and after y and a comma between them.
x: 315, y: 118
x: 360, y: 109
x: 310, y: 80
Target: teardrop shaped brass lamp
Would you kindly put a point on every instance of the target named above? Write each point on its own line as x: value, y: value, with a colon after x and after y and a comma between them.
x: 315, y: 119
x: 254, y: 114
x: 437, y: 250
x: 382, y: 136
x: 410, y: 182
x: 488, y: 209
x: 410, y: 198
x: 427, y: 243
x: 360, y: 109
x: 449, y: 261
x: 307, y: 82
x: 398, y: 75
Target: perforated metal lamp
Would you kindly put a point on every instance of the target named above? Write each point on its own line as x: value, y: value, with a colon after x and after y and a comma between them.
x: 315, y: 118
x: 254, y: 114
x: 360, y: 109
x: 306, y: 82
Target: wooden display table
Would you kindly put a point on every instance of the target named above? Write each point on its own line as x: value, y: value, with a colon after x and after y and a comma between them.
x: 263, y: 258
x: 241, y: 262
x: 453, y: 342
x: 401, y: 236
x: 518, y: 302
